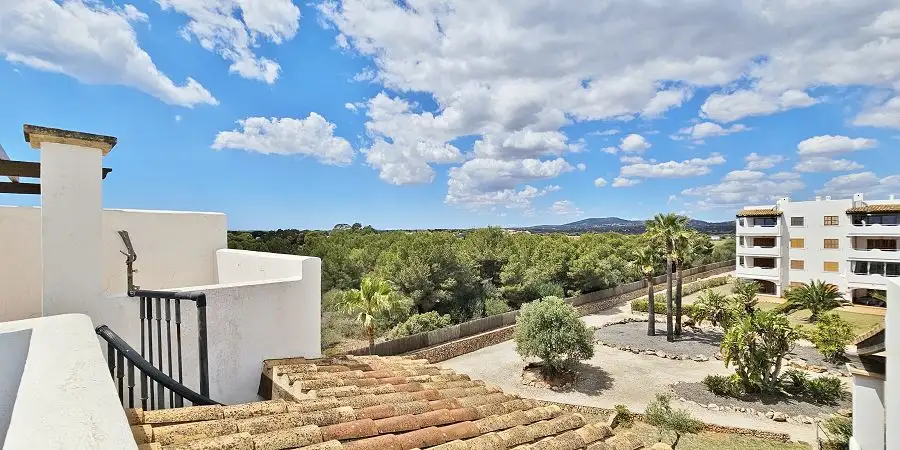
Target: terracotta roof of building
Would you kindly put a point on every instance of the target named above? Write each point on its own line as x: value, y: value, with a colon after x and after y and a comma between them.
x: 374, y: 403
x: 758, y: 212
x: 871, y: 209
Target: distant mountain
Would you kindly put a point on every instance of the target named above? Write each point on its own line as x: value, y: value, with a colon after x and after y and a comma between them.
x: 615, y: 224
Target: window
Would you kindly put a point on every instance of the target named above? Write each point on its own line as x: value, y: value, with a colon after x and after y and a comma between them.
x: 893, y: 270
x: 797, y: 243
x: 764, y: 263
x: 831, y: 221
x: 859, y: 267
x: 768, y: 242
x: 741, y: 241
x: 882, y: 219
x: 876, y: 268
x: 741, y: 260
x: 881, y: 244
x: 765, y: 221
x: 797, y: 264
x: 831, y: 266
x: 796, y: 221
x: 832, y: 243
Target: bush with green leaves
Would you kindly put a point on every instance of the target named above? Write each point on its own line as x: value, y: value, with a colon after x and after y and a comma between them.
x: 832, y: 335
x: 714, y: 306
x: 795, y: 382
x: 669, y: 420
x: 839, y: 430
x: 659, y: 306
x: 756, y: 346
x: 723, y: 385
x: 420, y: 323
x: 817, y: 296
x: 551, y: 330
x: 494, y: 306
x: 826, y: 390
x: 624, y: 416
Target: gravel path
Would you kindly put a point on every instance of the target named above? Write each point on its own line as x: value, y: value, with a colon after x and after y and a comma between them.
x: 705, y: 342
x: 700, y: 394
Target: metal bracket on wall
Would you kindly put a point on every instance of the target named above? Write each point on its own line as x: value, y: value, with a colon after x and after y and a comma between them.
x: 130, y: 258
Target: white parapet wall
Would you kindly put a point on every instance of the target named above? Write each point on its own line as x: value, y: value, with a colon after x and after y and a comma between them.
x: 55, y: 388
x: 174, y: 249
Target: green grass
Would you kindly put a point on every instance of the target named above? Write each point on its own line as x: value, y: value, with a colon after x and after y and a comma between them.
x: 708, y: 440
x: 862, y: 323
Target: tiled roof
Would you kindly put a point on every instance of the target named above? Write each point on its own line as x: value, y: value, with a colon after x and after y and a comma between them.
x: 871, y: 209
x: 375, y: 403
x: 758, y: 212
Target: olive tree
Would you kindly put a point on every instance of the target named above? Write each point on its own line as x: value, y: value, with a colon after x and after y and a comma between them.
x: 551, y: 330
x: 660, y: 414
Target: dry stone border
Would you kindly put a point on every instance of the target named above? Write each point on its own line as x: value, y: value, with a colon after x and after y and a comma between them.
x: 651, y: 351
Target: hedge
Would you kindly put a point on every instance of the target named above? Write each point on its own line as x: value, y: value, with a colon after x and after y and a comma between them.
x: 640, y: 305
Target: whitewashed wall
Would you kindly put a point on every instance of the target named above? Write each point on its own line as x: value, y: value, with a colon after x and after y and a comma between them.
x: 248, y: 321
x: 174, y: 249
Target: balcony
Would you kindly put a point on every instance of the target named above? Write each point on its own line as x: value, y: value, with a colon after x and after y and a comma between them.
x: 759, y: 230
x: 765, y: 273
x: 867, y: 281
x: 874, y: 230
x: 774, y: 251
x: 874, y: 254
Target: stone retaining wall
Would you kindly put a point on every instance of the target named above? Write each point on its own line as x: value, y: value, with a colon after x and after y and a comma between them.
x: 466, y: 345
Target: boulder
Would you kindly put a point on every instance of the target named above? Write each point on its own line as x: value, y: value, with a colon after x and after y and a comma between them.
x: 779, y: 417
x: 701, y: 358
x: 661, y: 354
x: 846, y: 412
x: 713, y: 406
x: 770, y: 414
x: 661, y: 446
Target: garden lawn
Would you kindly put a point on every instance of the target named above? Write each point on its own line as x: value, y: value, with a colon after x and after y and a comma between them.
x: 862, y: 323
x: 708, y: 440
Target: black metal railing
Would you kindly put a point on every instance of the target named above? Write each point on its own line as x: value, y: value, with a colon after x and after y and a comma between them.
x: 123, y: 361
x: 161, y: 310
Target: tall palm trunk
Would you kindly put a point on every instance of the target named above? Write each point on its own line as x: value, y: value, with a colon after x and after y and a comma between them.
x: 370, y: 330
x: 651, y: 307
x: 680, y: 275
x: 669, y: 336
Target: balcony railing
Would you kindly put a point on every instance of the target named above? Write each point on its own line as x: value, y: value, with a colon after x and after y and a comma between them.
x: 874, y: 229
x: 750, y: 250
x: 878, y: 254
x: 758, y: 272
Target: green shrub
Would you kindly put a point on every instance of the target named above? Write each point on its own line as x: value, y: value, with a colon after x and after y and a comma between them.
x: 723, y: 385
x: 839, y: 429
x: 659, y: 306
x: 795, y: 382
x: 667, y: 419
x: 831, y: 335
x: 494, y: 306
x: 550, y: 329
x: 624, y: 417
x: 827, y: 390
x: 420, y: 323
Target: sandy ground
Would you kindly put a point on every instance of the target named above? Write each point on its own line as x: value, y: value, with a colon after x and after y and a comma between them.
x: 615, y: 377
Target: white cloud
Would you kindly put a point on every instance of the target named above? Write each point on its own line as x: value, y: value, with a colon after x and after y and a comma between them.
x: 232, y: 28
x: 610, y: 132
x: 673, y: 169
x: 782, y: 176
x: 581, y: 167
x: 625, y: 182
x: 177, y: 118
x: 741, y: 104
x: 844, y: 186
x: 755, y: 161
x: 830, y: 145
x: 885, y: 115
x: 565, y: 208
x: 742, y: 187
x: 468, y: 60
x: 486, y: 182
x: 610, y: 150
x: 633, y: 159
x: 600, y: 182
x: 91, y: 43
x: 312, y: 136
x: 704, y: 130
x: 672, y: 198
x: 634, y: 143
x: 823, y: 164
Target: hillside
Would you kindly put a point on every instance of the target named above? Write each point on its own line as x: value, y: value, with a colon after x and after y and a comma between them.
x: 615, y: 224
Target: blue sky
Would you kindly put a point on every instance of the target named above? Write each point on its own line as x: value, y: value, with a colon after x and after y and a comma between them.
x: 431, y: 113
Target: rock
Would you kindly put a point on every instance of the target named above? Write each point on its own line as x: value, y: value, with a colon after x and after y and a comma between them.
x: 673, y: 357
x: 798, y: 363
x: 701, y: 358
x: 779, y: 417
x: 661, y: 354
x: 846, y: 412
x: 718, y: 356
x: 684, y: 357
x: 760, y: 414
x: 650, y: 352
x: 661, y: 446
x: 806, y: 419
x: 712, y: 406
x: 817, y: 369
x: 770, y: 414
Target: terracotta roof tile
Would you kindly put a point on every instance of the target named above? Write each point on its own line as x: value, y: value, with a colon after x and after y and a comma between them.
x: 872, y: 209
x: 372, y: 403
x: 770, y: 212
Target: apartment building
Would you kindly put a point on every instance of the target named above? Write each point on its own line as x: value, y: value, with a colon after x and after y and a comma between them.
x: 851, y: 243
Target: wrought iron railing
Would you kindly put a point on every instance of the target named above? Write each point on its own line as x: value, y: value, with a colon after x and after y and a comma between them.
x: 130, y: 371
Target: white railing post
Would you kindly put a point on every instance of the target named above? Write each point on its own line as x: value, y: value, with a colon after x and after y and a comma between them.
x: 71, y: 216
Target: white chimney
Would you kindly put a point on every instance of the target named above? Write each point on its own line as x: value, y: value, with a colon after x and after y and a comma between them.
x: 891, y: 197
x: 827, y: 197
x: 818, y: 198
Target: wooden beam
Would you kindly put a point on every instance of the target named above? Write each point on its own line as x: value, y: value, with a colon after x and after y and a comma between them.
x: 5, y: 157
x: 20, y: 188
x: 29, y: 169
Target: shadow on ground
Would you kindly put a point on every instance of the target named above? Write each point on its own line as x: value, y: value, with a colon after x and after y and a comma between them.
x: 691, y: 342
x: 592, y: 380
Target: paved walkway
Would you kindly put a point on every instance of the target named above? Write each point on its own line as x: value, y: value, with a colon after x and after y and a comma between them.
x: 615, y: 377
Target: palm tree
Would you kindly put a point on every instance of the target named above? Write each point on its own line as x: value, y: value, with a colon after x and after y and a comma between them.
x: 646, y: 260
x: 817, y: 296
x: 688, y: 245
x: 372, y: 297
x: 716, y: 307
x: 745, y: 292
x: 664, y: 228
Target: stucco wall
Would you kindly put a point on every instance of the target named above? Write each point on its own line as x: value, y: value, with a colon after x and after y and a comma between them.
x: 174, y: 249
x: 247, y: 322
x: 868, y: 412
x: 66, y: 398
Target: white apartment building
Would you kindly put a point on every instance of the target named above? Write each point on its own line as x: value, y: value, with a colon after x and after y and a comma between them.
x: 851, y: 243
